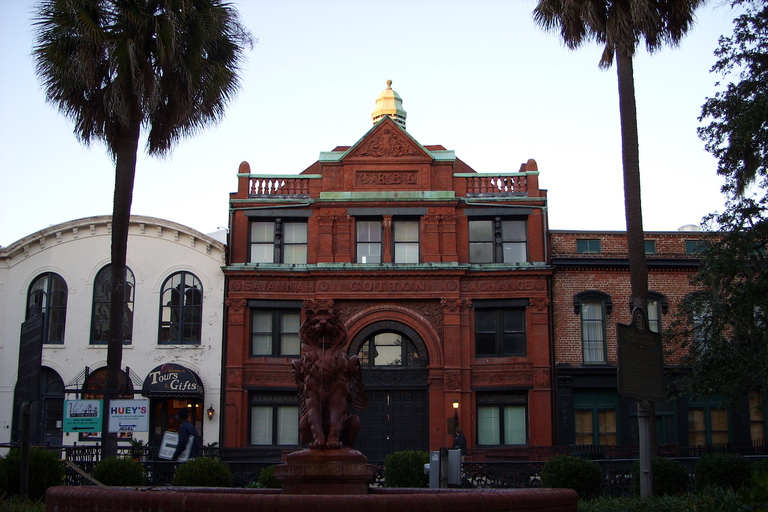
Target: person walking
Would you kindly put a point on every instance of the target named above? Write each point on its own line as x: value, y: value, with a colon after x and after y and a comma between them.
x: 460, y: 442
x: 187, y: 431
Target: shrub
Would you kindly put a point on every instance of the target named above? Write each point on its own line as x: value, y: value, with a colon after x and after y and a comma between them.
x: 119, y: 471
x: 267, y: 479
x: 45, y: 470
x: 582, y: 475
x: 203, y: 472
x: 406, y: 469
x: 728, y: 471
x: 669, y: 477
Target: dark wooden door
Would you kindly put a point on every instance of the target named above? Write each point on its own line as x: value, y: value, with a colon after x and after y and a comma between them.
x: 393, y: 421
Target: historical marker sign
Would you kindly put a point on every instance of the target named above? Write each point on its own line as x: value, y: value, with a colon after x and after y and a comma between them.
x: 641, y: 360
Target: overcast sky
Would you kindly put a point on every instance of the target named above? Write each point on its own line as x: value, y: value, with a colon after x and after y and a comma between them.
x: 476, y: 77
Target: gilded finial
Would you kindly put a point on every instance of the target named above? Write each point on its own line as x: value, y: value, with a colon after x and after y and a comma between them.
x: 389, y: 84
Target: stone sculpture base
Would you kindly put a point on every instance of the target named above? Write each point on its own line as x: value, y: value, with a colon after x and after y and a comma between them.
x: 343, y: 471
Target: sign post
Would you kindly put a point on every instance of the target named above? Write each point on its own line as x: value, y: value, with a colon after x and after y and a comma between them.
x: 641, y: 376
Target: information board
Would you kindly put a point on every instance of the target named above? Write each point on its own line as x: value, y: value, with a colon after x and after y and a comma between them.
x: 82, y: 416
x: 641, y: 360
x: 129, y: 415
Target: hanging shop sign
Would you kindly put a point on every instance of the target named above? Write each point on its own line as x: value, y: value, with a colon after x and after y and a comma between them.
x: 172, y: 380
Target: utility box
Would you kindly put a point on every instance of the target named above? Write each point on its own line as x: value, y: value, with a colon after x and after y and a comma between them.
x: 433, y: 470
x: 454, y: 468
x: 444, y: 468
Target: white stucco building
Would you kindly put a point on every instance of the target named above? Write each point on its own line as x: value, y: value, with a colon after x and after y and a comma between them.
x: 173, y: 350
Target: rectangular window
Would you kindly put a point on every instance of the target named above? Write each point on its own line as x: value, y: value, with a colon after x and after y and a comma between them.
x: 274, y: 421
x: 654, y: 315
x: 501, y: 419
x: 596, y: 426
x: 650, y: 247
x: 588, y: 247
x: 368, y: 241
x: 693, y: 246
x: 498, y: 240
x: 279, y: 241
x: 500, y: 332
x: 405, y: 237
x: 275, y: 332
x: 593, y: 331
x: 707, y: 425
x: 595, y: 419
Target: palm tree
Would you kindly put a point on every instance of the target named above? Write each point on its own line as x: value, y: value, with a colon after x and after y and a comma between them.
x: 620, y: 25
x: 118, y: 67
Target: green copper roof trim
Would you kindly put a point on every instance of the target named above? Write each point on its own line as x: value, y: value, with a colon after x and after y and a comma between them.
x: 492, y: 174
x: 337, y: 156
x: 278, y: 176
x: 401, y: 194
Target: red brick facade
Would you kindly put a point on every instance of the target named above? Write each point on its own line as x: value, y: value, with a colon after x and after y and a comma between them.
x: 431, y: 300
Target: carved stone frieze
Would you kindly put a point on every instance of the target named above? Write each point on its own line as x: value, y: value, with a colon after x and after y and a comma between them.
x: 519, y: 378
x: 388, y: 142
x: 453, y: 380
x: 386, y: 178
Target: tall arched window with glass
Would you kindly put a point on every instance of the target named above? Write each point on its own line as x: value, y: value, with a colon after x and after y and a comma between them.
x: 48, y: 295
x: 181, y: 310
x: 102, y: 295
x: 389, y: 349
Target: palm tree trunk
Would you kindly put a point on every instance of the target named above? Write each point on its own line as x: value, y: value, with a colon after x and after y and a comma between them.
x: 125, y: 172
x: 638, y: 267
x: 633, y: 210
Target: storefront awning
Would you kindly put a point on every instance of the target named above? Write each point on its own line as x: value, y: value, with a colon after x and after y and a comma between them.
x: 172, y: 380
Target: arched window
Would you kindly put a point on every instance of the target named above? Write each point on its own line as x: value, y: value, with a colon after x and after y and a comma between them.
x: 102, y: 295
x: 389, y: 349
x: 48, y: 295
x: 593, y: 306
x: 181, y: 310
x: 657, y: 306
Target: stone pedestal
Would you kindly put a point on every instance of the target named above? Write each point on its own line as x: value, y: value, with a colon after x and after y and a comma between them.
x: 344, y: 471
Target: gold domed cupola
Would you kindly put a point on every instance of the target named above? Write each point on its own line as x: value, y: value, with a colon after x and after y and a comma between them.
x: 389, y: 103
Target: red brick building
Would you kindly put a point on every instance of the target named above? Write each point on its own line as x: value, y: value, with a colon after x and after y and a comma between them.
x: 440, y: 274
x: 590, y: 296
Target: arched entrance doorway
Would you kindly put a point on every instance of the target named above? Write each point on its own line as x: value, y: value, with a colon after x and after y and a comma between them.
x: 394, y: 363
x: 46, y: 413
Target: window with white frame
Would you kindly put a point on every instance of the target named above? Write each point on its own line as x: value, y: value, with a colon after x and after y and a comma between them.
x: 405, y: 238
x: 498, y: 240
x: 593, y: 306
x: 278, y: 241
x: 501, y: 419
x: 275, y: 328
x: 274, y: 419
x: 368, y: 240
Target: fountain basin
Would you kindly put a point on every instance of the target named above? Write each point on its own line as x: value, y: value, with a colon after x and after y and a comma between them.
x: 214, y: 499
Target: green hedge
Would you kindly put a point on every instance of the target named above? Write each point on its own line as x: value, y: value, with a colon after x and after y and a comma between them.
x: 119, y: 472
x: 406, y: 469
x: 582, y: 475
x: 669, y: 477
x: 45, y: 470
x: 203, y: 472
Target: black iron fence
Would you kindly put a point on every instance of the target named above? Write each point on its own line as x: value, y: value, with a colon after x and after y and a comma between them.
x: 518, y: 467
